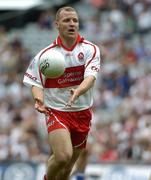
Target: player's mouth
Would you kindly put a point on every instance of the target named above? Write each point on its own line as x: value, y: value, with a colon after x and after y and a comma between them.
x: 71, y: 31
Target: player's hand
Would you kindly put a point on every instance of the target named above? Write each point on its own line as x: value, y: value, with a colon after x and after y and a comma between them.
x: 39, y: 106
x: 73, y: 97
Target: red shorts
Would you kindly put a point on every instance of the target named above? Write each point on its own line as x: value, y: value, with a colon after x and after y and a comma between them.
x: 78, y: 124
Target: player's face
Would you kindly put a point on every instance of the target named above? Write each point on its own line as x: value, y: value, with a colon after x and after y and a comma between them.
x: 68, y: 24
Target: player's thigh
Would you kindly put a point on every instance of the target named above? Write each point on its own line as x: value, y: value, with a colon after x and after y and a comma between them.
x: 60, y: 142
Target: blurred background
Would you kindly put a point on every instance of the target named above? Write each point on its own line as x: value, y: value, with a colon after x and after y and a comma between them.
x: 120, y: 140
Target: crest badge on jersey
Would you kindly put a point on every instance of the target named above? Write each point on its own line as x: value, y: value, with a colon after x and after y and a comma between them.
x: 81, y: 56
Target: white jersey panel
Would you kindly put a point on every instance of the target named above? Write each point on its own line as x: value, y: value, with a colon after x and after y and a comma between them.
x: 92, y: 65
x: 59, y: 98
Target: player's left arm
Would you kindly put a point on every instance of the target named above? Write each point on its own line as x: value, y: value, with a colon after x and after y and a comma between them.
x: 91, y: 70
x: 86, y: 84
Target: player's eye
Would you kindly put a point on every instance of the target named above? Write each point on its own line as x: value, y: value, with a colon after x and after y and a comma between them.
x: 66, y: 20
x: 75, y: 20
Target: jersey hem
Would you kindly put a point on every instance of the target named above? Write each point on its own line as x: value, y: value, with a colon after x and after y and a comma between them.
x: 69, y: 110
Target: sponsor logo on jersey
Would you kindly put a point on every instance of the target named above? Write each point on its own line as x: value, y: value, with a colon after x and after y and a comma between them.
x: 94, y: 68
x: 81, y: 56
x: 72, y: 76
x: 30, y: 76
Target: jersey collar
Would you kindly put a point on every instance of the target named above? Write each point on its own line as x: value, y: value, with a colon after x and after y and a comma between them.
x: 58, y: 42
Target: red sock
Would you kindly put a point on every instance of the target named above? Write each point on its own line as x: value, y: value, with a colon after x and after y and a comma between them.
x: 45, y: 178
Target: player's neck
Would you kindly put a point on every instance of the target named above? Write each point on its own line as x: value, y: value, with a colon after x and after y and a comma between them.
x: 68, y: 42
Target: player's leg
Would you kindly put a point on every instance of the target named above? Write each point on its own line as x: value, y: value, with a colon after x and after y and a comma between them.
x: 61, y: 145
x: 66, y: 172
x: 80, y: 165
x: 82, y: 161
x: 79, y: 141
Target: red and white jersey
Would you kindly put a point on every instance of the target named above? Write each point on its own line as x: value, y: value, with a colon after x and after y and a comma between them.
x: 82, y: 60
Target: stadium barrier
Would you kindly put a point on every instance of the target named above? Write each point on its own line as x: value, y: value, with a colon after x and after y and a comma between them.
x: 31, y: 171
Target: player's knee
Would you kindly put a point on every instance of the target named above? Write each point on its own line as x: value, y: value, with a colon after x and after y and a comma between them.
x: 63, y: 158
x: 67, y: 171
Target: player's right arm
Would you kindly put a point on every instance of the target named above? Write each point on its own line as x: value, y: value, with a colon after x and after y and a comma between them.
x: 34, y: 79
x: 39, y: 101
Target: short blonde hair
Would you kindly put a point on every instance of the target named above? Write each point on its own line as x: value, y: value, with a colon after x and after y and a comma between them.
x: 65, y: 8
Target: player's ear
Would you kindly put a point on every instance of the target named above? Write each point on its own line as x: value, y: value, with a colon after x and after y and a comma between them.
x: 55, y: 24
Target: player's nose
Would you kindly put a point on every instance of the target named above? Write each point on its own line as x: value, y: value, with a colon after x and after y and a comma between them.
x: 72, y: 23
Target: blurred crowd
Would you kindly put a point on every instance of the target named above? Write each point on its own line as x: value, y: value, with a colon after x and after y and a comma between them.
x: 121, y: 127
